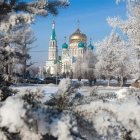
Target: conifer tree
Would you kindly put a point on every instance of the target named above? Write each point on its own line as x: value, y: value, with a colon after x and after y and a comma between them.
x: 15, y: 13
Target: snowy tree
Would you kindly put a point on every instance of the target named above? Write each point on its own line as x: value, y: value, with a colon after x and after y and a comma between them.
x: 131, y: 29
x: 112, y: 57
x: 78, y: 70
x: 88, y: 65
x: 131, y: 26
x: 123, y: 70
x: 34, y: 71
x: 25, y: 38
x: 12, y: 14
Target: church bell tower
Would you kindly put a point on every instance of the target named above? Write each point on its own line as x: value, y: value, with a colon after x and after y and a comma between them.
x: 52, y: 54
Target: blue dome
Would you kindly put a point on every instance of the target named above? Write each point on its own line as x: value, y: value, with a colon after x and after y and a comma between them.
x: 65, y: 46
x: 91, y: 47
x: 81, y: 45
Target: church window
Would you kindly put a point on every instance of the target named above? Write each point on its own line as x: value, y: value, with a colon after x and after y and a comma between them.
x: 53, y: 44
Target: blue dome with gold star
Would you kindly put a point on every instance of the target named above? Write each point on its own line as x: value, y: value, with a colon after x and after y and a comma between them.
x: 65, y: 46
x: 90, y: 46
x: 81, y: 45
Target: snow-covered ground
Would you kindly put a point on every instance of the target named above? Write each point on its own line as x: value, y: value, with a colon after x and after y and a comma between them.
x: 49, y: 89
x: 98, y: 112
x: 45, y: 90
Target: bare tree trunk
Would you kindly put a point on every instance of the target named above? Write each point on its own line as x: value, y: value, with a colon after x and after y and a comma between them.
x: 24, y: 69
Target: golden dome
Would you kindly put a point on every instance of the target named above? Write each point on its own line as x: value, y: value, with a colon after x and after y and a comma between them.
x: 78, y: 36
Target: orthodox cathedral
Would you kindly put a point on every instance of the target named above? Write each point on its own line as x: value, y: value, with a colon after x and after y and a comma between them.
x: 71, y: 52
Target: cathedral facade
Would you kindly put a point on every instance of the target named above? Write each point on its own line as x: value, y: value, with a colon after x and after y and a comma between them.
x: 75, y: 50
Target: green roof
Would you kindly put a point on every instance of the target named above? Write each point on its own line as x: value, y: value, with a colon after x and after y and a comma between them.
x: 65, y: 46
x: 53, y: 37
x: 81, y: 45
x: 91, y: 46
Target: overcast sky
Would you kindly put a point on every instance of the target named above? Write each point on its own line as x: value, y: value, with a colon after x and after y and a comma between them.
x: 92, y: 15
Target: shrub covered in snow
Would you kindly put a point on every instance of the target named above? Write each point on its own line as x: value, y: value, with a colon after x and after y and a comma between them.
x: 24, y: 117
x: 68, y: 115
x: 14, y: 15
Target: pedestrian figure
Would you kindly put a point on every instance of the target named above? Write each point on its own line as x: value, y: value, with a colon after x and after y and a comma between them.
x: 118, y: 79
x: 79, y: 81
x: 90, y: 80
x: 64, y: 75
x: 124, y: 80
x: 79, y: 78
x: 95, y: 81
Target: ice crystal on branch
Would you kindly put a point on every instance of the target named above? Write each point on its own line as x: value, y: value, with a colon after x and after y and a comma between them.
x: 14, y: 13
